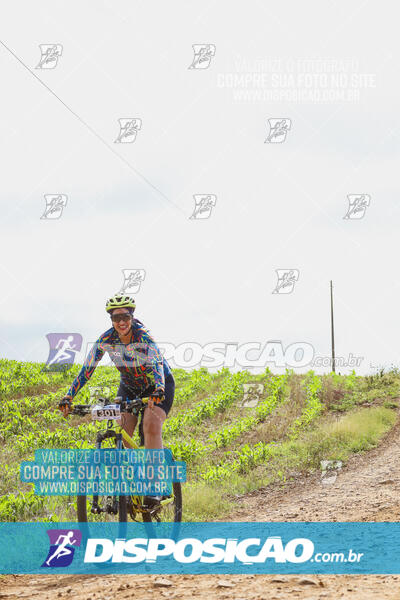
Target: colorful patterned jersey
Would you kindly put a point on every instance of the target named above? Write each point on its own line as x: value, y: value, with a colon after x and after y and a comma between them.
x: 140, y: 362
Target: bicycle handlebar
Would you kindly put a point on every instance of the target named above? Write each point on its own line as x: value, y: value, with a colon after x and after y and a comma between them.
x: 85, y: 409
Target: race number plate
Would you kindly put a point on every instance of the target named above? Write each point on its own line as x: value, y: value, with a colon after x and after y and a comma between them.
x: 102, y: 413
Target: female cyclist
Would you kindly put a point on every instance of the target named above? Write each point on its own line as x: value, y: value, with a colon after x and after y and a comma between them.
x: 144, y: 371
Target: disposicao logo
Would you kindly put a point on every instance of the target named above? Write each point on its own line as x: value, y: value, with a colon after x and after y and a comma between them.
x: 61, y: 551
x: 190, y: 550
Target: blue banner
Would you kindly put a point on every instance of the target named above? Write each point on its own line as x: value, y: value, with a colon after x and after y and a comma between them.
x: 196, y: 548
x: 109, y: 472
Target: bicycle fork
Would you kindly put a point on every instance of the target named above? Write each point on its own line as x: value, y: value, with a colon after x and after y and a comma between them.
x: 112, y: 506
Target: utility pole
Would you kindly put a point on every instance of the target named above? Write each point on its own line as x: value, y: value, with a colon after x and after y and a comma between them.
x: 332, y: 333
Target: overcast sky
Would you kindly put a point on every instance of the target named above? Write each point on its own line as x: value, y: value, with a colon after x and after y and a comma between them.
x: 203, y: 131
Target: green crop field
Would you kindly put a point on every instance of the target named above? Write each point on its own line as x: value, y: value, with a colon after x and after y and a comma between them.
x: 230, y: 447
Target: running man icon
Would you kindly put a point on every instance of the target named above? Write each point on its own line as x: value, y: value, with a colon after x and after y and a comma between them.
x: 63, y: 348
x: 62, y: 353
x: 61, y: 551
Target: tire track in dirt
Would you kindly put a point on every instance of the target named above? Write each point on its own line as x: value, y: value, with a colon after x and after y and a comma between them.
x: 367, y: 489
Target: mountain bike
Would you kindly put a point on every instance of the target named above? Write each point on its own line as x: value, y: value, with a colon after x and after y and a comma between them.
x: 99, y: 508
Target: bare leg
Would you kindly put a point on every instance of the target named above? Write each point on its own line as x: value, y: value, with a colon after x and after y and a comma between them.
x: 153, y: 420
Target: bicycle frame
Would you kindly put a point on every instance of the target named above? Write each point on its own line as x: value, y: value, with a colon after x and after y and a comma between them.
x: 121, y: 436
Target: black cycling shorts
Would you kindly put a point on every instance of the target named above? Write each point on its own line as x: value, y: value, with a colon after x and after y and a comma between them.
x: 168, y: 399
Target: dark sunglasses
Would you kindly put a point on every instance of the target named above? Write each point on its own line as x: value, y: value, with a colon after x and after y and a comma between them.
x: 124, y: 317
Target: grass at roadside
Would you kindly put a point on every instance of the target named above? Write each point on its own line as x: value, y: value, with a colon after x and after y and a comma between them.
x: 332, y: 439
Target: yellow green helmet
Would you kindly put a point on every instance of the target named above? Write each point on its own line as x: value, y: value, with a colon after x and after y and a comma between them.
x: 120, y: 301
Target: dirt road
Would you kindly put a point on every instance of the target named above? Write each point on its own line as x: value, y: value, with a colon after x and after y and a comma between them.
x: 234, y: 587
x: 367, y: 489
